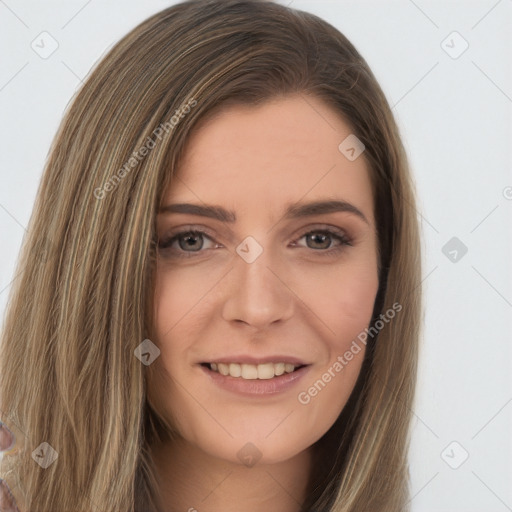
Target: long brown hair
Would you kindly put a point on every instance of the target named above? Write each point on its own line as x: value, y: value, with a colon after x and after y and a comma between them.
x: 82, y: 303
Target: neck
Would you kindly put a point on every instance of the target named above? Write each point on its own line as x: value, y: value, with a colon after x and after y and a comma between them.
x: 191, y: 480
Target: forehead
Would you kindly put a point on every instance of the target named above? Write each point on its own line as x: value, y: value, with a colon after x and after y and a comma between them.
x: 281, y: 152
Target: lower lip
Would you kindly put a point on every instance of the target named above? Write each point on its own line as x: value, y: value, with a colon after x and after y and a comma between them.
x: 257, y: 387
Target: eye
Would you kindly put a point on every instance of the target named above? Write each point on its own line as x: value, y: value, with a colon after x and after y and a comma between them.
x: 190, y: 241
x: 322, y: 240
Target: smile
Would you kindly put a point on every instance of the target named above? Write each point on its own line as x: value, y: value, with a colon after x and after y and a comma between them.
x: 255, y: 380
x: 246, y: 371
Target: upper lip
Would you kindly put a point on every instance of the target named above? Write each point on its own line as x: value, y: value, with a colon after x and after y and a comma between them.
x: 247, y: 359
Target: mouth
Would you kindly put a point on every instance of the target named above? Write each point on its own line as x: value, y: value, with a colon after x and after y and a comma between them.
x: 245, y: 371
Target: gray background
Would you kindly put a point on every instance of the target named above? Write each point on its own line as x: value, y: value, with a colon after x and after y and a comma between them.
x: 454, y: 110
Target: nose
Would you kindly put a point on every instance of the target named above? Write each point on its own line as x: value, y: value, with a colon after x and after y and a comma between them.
x: 257, y: 293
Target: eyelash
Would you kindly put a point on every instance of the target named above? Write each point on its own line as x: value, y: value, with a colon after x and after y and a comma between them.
x: 343, y: 239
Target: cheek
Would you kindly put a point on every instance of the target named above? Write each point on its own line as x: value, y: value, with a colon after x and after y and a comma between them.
x: 342, y: 300
x: 176, y: 294
x: 344, y: 303
x: 352, y: 305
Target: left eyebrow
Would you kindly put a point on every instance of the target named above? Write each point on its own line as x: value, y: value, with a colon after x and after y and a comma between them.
x: 298, y: 210
x: 293, y: 211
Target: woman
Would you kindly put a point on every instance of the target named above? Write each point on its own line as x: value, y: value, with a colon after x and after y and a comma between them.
x: 220, y: 294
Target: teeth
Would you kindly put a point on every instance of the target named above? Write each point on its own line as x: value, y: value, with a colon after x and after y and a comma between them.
x: 235, y: 370
x: 253, y: 371
x: 249, y: 371
x: 266, y: 371
x: 223, y: 368
x: 279, y: 368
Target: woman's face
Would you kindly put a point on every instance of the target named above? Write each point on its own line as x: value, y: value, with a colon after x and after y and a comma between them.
x: 268, y: 280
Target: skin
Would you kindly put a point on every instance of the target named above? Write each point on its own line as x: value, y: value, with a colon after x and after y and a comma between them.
x: 296, y: 299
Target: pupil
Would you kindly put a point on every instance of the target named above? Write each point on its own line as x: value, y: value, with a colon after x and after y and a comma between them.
x: 189, y: 242
x: 317, y: 236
